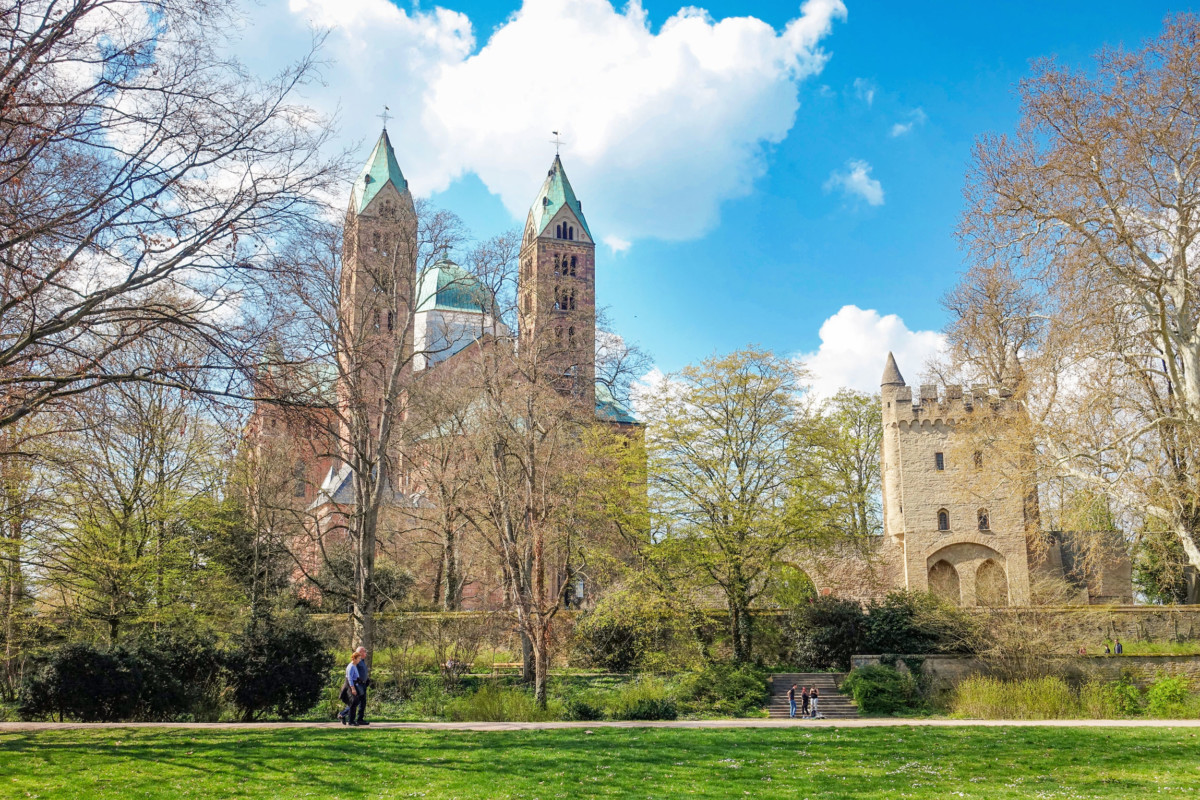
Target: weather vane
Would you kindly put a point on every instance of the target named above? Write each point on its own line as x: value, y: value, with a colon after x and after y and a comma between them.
x: 385, y: 117
x: 557, y: 141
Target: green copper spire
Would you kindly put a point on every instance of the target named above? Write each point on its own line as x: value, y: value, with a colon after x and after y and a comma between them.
x: 381, y: 167
x: 556, y: 192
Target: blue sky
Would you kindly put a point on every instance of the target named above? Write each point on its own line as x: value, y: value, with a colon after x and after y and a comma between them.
x: 740, y: 204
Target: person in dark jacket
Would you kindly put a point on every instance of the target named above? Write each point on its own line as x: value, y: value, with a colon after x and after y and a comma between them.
x: 804, y: 702
x: 349, y: 694
x: 363, y: 682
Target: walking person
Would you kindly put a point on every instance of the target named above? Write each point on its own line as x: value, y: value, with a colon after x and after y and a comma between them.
x: 813, y: 697
x: 363, y: 682
x: 349, y: 694
x: 1119, y: 648
x: 804, y: 702
x: 792, y: 702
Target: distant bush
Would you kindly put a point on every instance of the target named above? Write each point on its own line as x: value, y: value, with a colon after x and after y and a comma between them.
x: 83, y: 682
x: 582, y: 709
x: 915, y: 623
x: 981, y: 697
x: 882, y: 690
x: 430, y: 696
x: 493, y: 703
x: 826, y: 632
x: 168, y: 679
x: 634, y: 629
x: 646, y: 698
x: 725, y: 689
x: 1170, y: 698
x: 278, y: 668
x: 1100, y: 700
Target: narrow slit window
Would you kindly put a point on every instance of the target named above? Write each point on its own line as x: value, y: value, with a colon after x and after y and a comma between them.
x: 984, y: 522
x: 939, y: 461
x: 978, y: 459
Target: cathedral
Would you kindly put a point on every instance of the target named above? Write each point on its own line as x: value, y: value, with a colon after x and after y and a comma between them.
x: 437, y: 309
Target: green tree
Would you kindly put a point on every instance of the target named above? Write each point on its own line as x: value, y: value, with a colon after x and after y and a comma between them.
x: 840, y: 446
x: 721, y: 475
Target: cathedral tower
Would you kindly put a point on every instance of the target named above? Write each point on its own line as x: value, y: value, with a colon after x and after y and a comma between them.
x: 378, y: 271
x: 557, y: 293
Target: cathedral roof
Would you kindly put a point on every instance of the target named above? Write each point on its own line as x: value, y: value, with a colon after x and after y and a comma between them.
x: 448, y: 287
x: 380, y: 168
x: 609, y: 409
x: 891, y: 373
x: 556, y: 192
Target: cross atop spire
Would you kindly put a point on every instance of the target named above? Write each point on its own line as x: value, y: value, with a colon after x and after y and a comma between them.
x: 385, y: 117
x: 556, y: 141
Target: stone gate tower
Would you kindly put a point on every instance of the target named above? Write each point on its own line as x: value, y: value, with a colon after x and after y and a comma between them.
x: 557, y: 290
x: 952, y: 524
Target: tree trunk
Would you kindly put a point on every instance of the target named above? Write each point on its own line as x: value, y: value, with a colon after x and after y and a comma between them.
x: 450, y: 598
x: 542, y: 667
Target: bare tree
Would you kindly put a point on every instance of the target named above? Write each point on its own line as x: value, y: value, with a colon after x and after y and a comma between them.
x: 143, y: 173
x: 1083, y: 226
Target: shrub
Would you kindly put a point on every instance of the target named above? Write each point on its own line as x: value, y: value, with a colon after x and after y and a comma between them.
x: 827, y: 632
x: 494, y: 703
x: 916, y: 623
x: 882, y: 690
x: 1170, y: 698
x: 81, y: 682
x: 430, y: 696
x: 981, y: 697
x: 643, y: 699
x: 581, y: 709
x: 728, y: 689
x: 280, y: 669
x: 181, y: 678
x: 1100, y: 700
x: 634, y: 629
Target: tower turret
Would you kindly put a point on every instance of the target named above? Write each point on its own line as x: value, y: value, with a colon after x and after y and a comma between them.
x: 558, y: 283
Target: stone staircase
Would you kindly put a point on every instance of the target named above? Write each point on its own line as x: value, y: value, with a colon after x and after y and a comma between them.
x: 833, y: 705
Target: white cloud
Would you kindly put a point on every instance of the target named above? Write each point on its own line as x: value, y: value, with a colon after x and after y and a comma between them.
x: 659, y: 128
x: 616, y: 243
x: 856, y: 180
x: 864, y: 90
x: 854, y: 347
x: 916, y: 118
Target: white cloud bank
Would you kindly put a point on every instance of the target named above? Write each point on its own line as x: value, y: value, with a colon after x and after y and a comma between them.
x: 659, y: 128
x: 855, y: 180
x: 854, y: 347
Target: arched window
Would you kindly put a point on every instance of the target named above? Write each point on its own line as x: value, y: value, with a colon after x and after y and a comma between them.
x: 571, y: 300
x: 983, y: 520
x: 572, y: 266
x: 943, y: 581
x: 571, y: 232
x: 298, y: 479
x: 943, y: 520
x: 558, y: 231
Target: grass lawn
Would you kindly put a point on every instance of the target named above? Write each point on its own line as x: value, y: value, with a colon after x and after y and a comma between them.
x: 635, y: 763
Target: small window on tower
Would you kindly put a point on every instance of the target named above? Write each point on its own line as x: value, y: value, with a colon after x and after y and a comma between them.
x: 558, y: 231
x: 572, y: 266
x: 943, y: 520
x: 978, y: 459
x: 571, y: 232
x: 939, y: 461
x: 984, y: 523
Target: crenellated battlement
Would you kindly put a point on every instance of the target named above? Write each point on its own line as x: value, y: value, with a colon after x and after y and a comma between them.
x: 947, y: 404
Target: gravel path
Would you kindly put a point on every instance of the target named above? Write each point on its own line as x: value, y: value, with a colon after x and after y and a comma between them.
x: 33, y: 727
